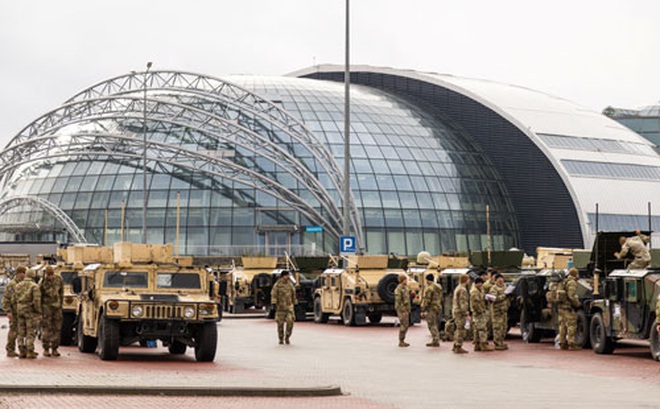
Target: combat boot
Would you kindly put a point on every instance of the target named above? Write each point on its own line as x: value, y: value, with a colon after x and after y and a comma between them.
x: 286, y: 341
x: 486, y: 348
x: 477, y: 347
x: 459, y: 350
x: 433, y: 344
x: 55, y: 353
x: 31, y: 355
x: 46, y: 352
x: 501, y: 347
x: 403, y: 344
x: 22, y: 353
x: 12, y: 354
x: 281, y: 341
x: 563, y: 347
x: 574, y: 348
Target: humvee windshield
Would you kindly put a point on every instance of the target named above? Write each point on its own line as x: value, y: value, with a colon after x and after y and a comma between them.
x: 179, y: 280
x: 68, y: 276
x: 125, y: 279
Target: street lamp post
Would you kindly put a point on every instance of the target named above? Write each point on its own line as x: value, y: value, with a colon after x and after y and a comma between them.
x: 144, y: 159
x: 347, y: 141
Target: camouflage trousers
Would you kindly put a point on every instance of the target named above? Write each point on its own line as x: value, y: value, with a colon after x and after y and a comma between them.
x: 499, y: 327
x: 432, y: 317
x: 27, y: 330
x: 13, y: 333
x: 567, y: 326
x: 51, y: 327
x: 480, y: 328
x: 639, y: 263
x: 284, y: 316
x: 459, y: 333
x: 404, y: 322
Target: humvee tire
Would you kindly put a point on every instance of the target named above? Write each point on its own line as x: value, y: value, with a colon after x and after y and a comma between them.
x: 529, y: 334
x: 300, y: 313
x: 319, y: 316
x: 85, y: 344
x: 270, y: 312
x: 206, y: 342
x: 66, y: 333
x: 375, y: 317
x: 600, y: 342
x: 348, y: 313
x: 654, y: 339
x: 177, y: 348
x: 109, y: 339
x: 386, y: 286
x: 582, y: 333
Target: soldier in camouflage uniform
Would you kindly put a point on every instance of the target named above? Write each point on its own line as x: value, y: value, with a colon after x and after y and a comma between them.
x: 479, y: 316
x: 283, y: 296
x: 403, y: 306
x: 567, y: 300
x: 52, y: 294
x: 460, y: 313
x: 28, y: 298
x: 637, y: 247
x: 500, y: 310
x: 10, y: 307
x: 431, y: 304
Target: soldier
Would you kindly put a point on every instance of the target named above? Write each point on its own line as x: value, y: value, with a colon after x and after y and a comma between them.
x: 636, y: 246
x: 402, y: 305
x: 431, y: 304
x: 28, y: 299
x: 567, y: 301
x: 10, y: 307
x: 479, y: 316
x: 460, y: 313
x: 283, y: 297
x: 500, y: 311
x: 52, y: 294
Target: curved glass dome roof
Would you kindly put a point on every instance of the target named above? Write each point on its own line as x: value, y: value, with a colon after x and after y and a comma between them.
x: 255, y: 160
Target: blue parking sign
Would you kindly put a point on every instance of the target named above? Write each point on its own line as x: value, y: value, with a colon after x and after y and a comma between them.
x: 347, y: 244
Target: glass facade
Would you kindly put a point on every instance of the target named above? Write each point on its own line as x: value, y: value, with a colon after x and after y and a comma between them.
x: 241, y: 182
x: 645, y: 121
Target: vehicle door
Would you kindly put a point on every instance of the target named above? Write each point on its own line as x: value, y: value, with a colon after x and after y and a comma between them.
x: 88, y: 313
x: 335, y: 291
x: 632, y: 320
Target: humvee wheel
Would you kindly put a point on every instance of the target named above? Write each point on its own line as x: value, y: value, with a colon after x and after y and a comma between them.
x: 66, y: 333
x: 347, y: 313
x: 655, y: 343
x: 177, y: 348
x: 375, y: 317
x: 600, y: 342
x: 85, y: 344
x: 582, y: 333
x: 270, y: 312
x: 319, y: 316
x: 529, y: 334
x: 206, y: 342
x: 109, y: 339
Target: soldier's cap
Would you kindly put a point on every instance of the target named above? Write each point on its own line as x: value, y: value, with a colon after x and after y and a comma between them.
x: 429, y: 277
x: 29, y: 273
x: 285, y: 273
x: 20, y: 269
x: 49, y: 270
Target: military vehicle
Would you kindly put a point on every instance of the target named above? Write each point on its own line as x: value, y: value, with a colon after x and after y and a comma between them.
x: 146, y: 294
x: 364, y: 289
x: 241, y: 291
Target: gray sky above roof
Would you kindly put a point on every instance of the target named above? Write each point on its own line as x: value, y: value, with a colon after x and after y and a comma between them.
x: 594, y: 52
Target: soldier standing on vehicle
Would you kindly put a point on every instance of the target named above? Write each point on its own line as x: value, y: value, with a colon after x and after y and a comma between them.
x: 52, y: 295
x: 636, y: 246
x: 283, y: 297
x: 403, y: 306
x: 28, y: 298
x: 460, y: 313
x: 479, y: 316
x: 567, y: 301
x: 10, y: 307
x: 431, y: 304
x: 500, y: 312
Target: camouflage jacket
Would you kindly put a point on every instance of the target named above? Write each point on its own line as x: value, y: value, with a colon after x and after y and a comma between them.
x: 9, y: 297
x: 432, y: 300
x: 477, y: 301
x: 501, y: 303
x: 570, y: 299
x: 635, y: 245
x: 283, y: 295
x: 52, y: 291
x: 28, y: 297
x: 460, y: 302
x: 402, y: 298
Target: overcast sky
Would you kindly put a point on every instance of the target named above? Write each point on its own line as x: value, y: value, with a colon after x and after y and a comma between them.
x: 593, y: 52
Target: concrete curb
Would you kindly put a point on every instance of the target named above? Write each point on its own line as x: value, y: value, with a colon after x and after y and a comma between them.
x: 172, y: 390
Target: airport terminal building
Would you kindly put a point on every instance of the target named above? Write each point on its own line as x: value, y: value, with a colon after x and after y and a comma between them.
x: 249, y: 165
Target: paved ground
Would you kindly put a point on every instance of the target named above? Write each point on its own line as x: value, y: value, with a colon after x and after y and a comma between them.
x: 371, y: 370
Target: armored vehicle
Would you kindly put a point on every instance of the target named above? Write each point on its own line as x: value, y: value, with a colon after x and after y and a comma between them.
x: 627, y: 309
x: 146, y: 294
x: 263, y: 284
x: 364, y: 289
x: 241, y: 291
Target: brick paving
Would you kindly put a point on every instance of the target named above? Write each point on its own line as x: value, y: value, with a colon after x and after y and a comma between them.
x: 364, y: 361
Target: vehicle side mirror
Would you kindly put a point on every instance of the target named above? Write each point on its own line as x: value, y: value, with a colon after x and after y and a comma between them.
x: 77, y: 285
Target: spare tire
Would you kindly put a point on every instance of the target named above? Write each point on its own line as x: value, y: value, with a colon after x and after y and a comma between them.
x: 386, y: 287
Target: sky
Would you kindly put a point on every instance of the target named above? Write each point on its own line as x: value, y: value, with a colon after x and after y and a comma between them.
x: 593, y: 52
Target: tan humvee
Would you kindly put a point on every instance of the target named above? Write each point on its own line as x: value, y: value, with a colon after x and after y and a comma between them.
x: 363, y: 290
x: 239, y: 291
x: 146, y: 294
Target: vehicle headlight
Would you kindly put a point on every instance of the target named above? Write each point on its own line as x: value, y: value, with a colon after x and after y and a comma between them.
x: 189, y: 312
x: 137, y: 311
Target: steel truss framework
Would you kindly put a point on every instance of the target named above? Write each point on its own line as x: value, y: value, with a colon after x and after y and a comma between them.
x: 175, y: 100
x: 8, y: 204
